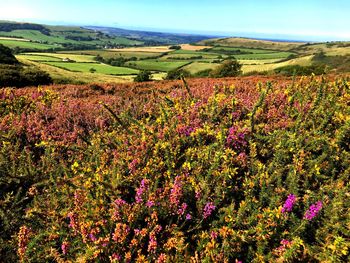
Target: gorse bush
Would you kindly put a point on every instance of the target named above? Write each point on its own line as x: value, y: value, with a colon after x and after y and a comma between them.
x: 206, y: 172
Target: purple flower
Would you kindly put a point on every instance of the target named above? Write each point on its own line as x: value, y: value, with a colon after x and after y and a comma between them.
x: 236, y: 139
x: 92, y: 237
x: 188, y: 217
x: 119, y: 202
x: 182, y: 209
x: 187, y: 130
x: 313, y: 210
x: 288, y: 204
x: 208, y: 209
x: 139, y: 192
x: 150, y: 204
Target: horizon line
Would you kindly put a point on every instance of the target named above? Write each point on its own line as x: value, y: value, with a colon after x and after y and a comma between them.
x: 275, y: 37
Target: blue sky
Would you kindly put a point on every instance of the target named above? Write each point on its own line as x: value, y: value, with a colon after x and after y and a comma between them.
x: 282, y: 19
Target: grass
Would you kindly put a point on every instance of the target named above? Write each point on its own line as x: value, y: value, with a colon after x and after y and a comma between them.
x: 335, y: 49
x: 158, y: 49
x: 251, y: 43
x: 275, y: 55
x: 156, y: 65
x: 258, y: 61
x: 36, y: 36
x: 189, y: 56
x: 60, y: 75
x: 115, y: 54
x: 233, y: 49
x: 100, y: 68
x: 58, y: 36
x: 38, y: 58
x: 303, y: 61
x: 196, y: 67
x: 26, y: 44
x: 61, y: 56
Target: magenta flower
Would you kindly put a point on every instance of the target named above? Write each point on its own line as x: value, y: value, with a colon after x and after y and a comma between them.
x: 188, y: 217
x: 288, y: 204
x: 92, y: 237
x: 182, y: 209
x: 313, y: 210
x: 65, y: 247
x: 208, y: 209
x: 213, y: 235
x: 139, y: 192
x: 236, y: 139
x: 149, y: 204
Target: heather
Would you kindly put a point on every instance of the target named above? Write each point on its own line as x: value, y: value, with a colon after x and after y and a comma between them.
x: 230, y: 170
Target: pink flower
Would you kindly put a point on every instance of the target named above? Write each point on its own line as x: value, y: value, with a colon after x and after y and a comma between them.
x: 208, y: 209
x: 313, y: 211
x: 65, y: 247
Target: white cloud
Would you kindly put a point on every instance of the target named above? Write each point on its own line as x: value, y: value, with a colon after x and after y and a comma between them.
x: 17, y: 12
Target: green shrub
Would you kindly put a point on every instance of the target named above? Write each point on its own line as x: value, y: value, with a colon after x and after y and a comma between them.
x: 142, y: 76
x: 6, y: 56
x: 229, y: 68
x: 177, y: 73
x: 18, y: 76
x: 297, y: 70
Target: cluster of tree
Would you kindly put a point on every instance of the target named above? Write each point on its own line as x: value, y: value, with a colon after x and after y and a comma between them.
x: 144, y: 75
x: 8, y: 27
x: 13, y: 74
x: 6, y: 56
x: 117, y: 61
x: 336, y: 63
x: 298, y: 70
x: 232, y: 52
x: 80, y: 38
x: 185, y: 58
x: 19, y: 76
x: 175, y: 47
x: 229, y: 68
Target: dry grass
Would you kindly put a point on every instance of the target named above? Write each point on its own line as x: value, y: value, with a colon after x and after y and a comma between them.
x: 252, y: 43
x: 302, y: 61
x: 193, y: 48
x: 14, y: 38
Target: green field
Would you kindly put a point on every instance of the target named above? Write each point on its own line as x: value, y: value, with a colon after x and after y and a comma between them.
x: 35, y: 36
x: 60, y: 35
x: 235, y: 49
x: 38, y: 58
x: 26, y: 44
x: 100, y: 68
x: 239, y: 42
x: 303, y: 61
x: 106, y: 54
x: 196, y: 67
x: 275, y: 55
x: 157, y: 65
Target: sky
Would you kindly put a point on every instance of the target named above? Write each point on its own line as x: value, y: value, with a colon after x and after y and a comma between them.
x: 311, y: 20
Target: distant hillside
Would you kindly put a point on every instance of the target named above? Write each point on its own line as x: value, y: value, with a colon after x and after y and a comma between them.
x: 251, y: 43
x: 151, y: 37
x: 43, y: 37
